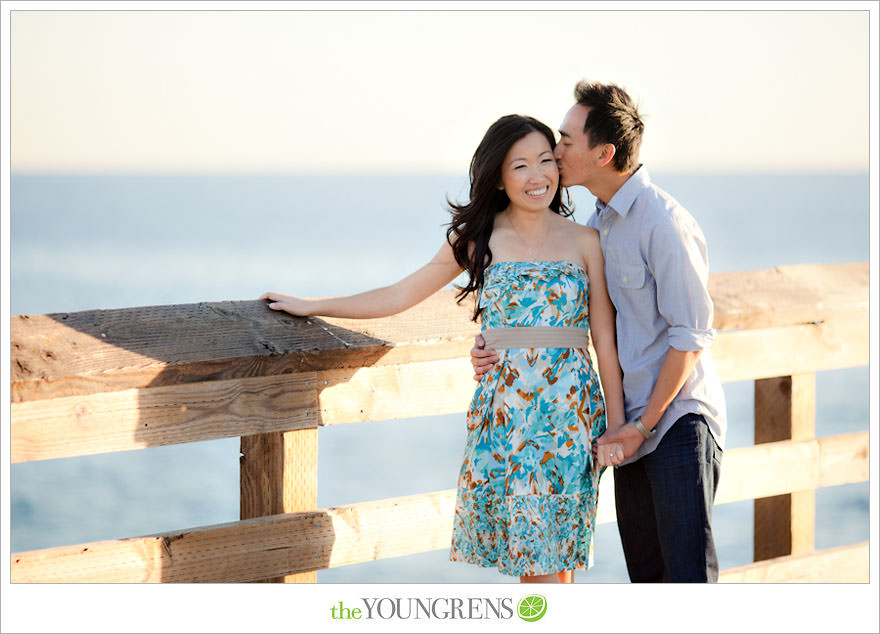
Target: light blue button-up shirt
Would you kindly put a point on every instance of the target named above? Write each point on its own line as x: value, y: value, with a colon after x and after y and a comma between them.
x: 657, y: 270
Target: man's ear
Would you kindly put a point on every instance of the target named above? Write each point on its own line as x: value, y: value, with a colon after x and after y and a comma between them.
x: 607, y: 154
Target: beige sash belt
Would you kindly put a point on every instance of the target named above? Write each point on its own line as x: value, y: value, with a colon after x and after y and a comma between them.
x: 536, y: 337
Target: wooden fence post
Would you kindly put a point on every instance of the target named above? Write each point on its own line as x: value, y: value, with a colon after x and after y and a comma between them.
x: 279, y: 474
x: 785, y: 410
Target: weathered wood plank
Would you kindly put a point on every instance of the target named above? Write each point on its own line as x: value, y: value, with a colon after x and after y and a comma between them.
x: 840, y: 342
x: 108, y: 350
x: 787, y: 295
x: 115, y: 421
x: 135, y: 419
x: 300, y: 542
x: 785, y: 409
x: 251, y: 550
x: 792, y: 465
x: 279, y: 474
x: 70, y: 354
x: 256, y: 549
x: 392, y: 392
x: 844, y: 459
x: 844, y: 564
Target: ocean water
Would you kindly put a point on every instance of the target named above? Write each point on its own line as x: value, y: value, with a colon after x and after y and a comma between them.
x: 83, y: 241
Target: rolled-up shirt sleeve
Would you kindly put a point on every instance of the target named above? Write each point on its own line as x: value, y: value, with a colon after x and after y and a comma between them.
x: 678, y: 260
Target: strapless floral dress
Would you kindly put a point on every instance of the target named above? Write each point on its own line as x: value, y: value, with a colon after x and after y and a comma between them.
x: 527, y: 490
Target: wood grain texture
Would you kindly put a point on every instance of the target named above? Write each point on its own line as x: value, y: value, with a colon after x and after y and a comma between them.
x: 279, y: 474
x: 108, y: 350
x: 843, y: 564
x: 115, y: 421
x: 393, y: 392
x: 785, y: 295
x: 782, y: 467
x: 252, y: 550
x: 785, y: 410
x: 68, y: 354
x: 193, y: 412
x: 840, y: 342
x: 136, y: 419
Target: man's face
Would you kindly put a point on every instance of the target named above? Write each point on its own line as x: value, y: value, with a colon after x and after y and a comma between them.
x: 577, y: 162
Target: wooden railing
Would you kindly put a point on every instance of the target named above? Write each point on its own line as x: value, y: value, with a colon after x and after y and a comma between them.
x: 116, y: 380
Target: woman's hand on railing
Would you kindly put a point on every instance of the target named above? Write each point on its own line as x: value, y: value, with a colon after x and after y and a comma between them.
x: 288, y: 303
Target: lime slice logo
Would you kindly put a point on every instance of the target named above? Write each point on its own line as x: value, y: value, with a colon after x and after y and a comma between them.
x: 532, y: 607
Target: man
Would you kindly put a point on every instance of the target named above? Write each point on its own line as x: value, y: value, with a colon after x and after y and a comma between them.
x: 656, y: 267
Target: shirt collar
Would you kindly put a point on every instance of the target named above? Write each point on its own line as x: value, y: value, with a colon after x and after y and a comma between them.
x: 624, y: 198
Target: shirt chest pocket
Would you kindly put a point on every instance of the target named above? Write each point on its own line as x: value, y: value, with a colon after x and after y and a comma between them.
x: 631, y: 277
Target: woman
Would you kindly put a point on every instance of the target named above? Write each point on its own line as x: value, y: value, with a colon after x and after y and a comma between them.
x: 527, y: 488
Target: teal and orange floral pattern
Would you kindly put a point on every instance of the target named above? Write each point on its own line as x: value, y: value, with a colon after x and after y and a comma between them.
x: 528, y: 485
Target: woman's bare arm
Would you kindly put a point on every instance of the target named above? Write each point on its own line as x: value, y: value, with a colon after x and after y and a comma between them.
x: 379, y: 302
x: 602, y: 326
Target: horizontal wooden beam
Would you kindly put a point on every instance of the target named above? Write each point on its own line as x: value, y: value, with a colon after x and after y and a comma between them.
x: 90, y: 352
x: 152, y: 417
x: 73, y: 354
x: 393, y: 392
x: 844, y: 564
x: 775, y: 468
x: 298, y: 542
x: 252, y: 550
x: 839, y: 342
x: 136, y: 419
x: 786, y: 295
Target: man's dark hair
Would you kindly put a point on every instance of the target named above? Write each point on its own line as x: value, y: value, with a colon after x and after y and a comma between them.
x: 613, y: 118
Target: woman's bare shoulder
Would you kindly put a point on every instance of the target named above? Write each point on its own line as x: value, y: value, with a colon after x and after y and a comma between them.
x: 584, y: 234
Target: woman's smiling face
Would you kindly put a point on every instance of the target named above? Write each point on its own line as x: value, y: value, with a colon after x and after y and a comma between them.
x: 529, y: 175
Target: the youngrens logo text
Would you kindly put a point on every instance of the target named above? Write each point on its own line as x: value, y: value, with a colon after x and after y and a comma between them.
x: 439, y: 608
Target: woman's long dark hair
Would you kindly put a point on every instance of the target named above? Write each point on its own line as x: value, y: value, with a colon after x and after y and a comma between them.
x: 471, y: 225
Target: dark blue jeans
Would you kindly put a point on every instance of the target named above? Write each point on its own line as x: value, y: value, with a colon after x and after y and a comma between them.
x: 664, y: 506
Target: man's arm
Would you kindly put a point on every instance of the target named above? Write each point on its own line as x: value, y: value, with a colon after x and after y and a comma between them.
x: 677, y: 257
x: 482, y: 359
x: 677, y: 367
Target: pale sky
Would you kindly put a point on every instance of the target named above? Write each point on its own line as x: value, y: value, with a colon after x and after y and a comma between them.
x: 416, y: 90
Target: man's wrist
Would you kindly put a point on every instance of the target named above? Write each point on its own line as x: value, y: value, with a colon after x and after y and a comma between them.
x: 646, y: 433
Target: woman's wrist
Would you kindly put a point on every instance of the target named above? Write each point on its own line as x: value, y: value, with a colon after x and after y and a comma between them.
x: 312, y: 307
x: 615, y: 422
